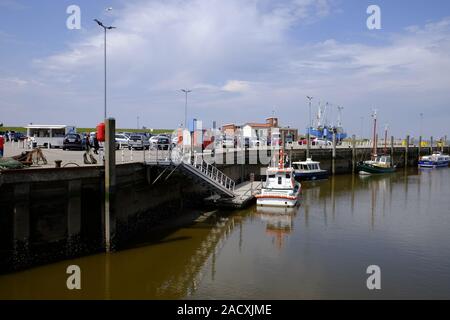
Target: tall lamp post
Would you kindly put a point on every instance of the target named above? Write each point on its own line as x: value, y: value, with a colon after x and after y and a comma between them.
x: 104, y: 28
x: 186, y: 91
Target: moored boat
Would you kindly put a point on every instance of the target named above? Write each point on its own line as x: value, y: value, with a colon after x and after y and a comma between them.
x: 379, y: 164
x: 435, y: 160
x: 280, y: 188
x: 309, y: 170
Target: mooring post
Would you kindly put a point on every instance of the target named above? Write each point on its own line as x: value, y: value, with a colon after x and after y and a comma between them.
x: 353, y: 153
x: 308, y: 145
x: 333, y: 154
x: 431, y: 145
x: 406, y: 151
x: 420, y: 147
x: 392, y: 151
x: 445, y: 143
x: 110, y: 182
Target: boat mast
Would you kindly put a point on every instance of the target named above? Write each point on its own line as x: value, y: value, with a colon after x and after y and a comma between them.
x: 374, y: 149
x: 385, y: 139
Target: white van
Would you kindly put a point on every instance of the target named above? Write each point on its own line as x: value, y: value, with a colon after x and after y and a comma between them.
x: 48, y: 136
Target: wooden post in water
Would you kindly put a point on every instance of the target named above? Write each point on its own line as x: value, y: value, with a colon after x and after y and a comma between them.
x: 392, y: 151
x: 308, y: 145
x: 406, y: 151
x: 420, y: 147
x: 442, y: 145
x: 431, y: 145
x: 445, y: 143
x: 333, y: 154
x: 353, y: 153
x: 110, y: 183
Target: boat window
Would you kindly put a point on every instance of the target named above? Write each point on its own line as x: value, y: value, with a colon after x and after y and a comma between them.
x: 271, y: 176
x: 288, y: 176
x: 279, y: 180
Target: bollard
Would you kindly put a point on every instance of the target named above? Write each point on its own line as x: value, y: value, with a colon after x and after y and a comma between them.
x: 131, y: 155
x: 58, y: 163
x: 122, y: 156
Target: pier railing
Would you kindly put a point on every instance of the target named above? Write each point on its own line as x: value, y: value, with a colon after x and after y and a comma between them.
x: 213, y: 173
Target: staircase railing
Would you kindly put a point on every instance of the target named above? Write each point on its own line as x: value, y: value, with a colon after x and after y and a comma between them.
x: 213, y: 173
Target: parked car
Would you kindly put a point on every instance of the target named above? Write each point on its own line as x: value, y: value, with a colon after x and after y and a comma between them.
x: 321, y: 142
x: 122, y: 140
x: 74, y: 141
x: 138, y: 141
x: 174, y: 141
x: 18, y: 136
x: 163, y: 143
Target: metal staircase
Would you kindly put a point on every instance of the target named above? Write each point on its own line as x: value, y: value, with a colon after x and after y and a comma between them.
x: 195, y: 167
x: 209, y: 176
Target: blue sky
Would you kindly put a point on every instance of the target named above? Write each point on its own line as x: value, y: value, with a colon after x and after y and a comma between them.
x: 242, y: 59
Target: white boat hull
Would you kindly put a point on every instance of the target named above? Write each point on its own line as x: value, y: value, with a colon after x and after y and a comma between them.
x: 276, y: 202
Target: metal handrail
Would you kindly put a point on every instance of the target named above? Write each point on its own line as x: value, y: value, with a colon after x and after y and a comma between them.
x: 213, y: 173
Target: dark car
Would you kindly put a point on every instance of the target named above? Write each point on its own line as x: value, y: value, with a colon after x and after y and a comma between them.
x: 74, y: 141
x: 163, y: 143
x: 18, y: 136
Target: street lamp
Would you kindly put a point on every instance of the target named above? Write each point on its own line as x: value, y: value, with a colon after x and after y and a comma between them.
x: 186, y: 91
x: 104, y: 28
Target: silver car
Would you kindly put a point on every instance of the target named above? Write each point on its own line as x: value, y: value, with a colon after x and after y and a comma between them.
x: 138, y: 142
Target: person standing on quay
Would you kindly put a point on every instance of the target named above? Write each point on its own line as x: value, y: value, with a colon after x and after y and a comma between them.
x: 87, y: 156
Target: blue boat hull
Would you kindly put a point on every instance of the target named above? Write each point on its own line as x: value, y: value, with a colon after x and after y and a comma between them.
x: 311, y: 176
x: 433, y: 164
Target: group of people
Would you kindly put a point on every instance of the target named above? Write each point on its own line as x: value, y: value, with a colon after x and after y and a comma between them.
x: 8, y: 136
x: 91, y: 144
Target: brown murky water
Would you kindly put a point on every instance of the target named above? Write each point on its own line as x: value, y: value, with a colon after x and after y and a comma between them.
x: 320, y: 250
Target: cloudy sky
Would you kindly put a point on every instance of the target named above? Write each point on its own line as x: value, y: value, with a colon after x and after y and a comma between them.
x: 243, y: 61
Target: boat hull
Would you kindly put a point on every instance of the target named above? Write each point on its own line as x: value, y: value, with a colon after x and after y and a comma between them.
x: 311, y: 176
x: 276, y: 202
x: 433, y: 164
x: 366, y: 169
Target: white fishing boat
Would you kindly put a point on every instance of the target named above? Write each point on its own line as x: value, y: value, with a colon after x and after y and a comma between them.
x: 280, y: 188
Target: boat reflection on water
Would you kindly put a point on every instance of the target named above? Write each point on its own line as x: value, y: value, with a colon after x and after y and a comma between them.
x: 279, y: 222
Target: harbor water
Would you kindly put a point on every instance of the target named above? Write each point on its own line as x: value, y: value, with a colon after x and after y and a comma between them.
x: 320, y: 250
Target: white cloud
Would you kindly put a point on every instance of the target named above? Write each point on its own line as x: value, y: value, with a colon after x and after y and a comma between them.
x: 236, y: 86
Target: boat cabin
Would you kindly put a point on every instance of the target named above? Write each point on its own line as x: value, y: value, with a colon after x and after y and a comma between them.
x: 307, y: 165
x: 279, y: 178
